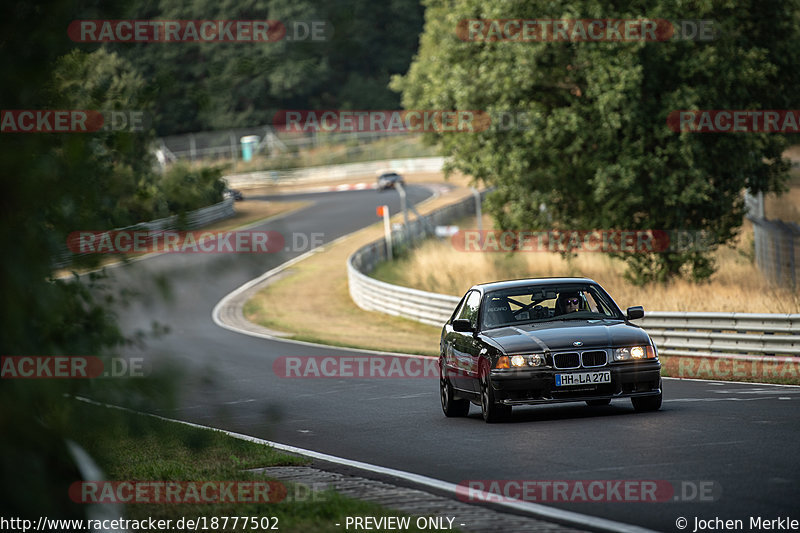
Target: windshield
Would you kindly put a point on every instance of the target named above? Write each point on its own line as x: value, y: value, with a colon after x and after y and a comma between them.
x: 538, y: 303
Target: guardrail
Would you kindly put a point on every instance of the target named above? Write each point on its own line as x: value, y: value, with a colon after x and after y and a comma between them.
x: 373, y: 295
x: 709, y: 334
x: 334, y: 172
x: 675, y: 333
x: 188, y: 221
x: 193, y: 219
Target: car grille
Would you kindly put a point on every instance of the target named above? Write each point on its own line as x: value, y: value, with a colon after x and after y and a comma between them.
x: 566, y: 360
x: 569, y: 360
x: 596, y: 358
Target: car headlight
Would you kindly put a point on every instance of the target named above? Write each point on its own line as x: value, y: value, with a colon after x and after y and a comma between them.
x: 518, y: 361
x: 634, y: 353
x: 537, y: 359
x: 521, y: 361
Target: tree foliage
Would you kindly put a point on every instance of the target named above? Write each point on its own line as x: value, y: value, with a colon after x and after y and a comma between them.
x: 186, y: 188
x: 197, y: 86
x: 55, y: 183
x: 595, y: 149
x: 124, y: 188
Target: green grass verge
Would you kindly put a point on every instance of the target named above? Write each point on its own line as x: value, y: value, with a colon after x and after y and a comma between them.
x: 128, y: 446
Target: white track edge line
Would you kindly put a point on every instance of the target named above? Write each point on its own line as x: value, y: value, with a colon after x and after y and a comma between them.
x: 723, y: 382
x: 536, y: 509
x: 215, y: 313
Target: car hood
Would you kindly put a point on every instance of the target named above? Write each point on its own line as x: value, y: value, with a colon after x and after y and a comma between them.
x: 560, y: 335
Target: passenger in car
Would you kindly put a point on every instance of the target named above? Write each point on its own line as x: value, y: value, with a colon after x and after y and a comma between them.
x: 498, y: 312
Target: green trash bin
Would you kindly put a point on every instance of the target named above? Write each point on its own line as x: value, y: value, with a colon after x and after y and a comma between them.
x: 249, y: 144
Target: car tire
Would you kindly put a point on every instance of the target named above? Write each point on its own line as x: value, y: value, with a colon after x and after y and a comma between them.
x: 598, y: 403
x: 450, y: 405
x: 647, y: 403
x: 491, y: 410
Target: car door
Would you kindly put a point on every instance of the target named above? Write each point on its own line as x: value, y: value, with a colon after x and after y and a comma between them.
x: 447, y: 343
x: 466, y: 346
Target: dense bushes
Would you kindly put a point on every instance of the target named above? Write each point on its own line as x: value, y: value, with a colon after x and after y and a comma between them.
x: 186, y: 188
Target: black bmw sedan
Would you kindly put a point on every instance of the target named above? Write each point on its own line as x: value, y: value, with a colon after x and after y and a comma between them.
x: 536, y: 341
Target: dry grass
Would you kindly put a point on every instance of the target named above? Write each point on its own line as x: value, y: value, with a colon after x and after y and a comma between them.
x: 318, y: 287
x: 737, y: 286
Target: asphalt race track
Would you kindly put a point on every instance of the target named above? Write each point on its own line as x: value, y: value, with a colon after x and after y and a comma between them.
x: 740, y: 439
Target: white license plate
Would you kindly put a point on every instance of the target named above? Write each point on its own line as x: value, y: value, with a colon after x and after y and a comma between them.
x: 583, y: 378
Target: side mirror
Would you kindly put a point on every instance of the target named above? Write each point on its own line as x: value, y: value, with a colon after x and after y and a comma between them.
x: 635, y: 312
x: 462, y: 325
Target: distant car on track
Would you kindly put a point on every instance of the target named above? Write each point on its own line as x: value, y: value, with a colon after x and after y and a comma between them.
x: 539, y: 341
x: 236, y: 194
x: 387, y: 180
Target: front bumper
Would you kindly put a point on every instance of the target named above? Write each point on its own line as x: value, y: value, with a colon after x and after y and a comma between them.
x: 537, y: 386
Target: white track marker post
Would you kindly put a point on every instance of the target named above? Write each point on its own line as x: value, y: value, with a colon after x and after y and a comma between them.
x: 383, y: 210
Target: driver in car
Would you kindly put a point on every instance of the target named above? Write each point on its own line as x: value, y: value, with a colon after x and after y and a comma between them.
x: 568, y: 302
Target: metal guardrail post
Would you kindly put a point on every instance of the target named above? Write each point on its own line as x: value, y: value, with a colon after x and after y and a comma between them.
x: 404, y: 206
x: 478, y: 213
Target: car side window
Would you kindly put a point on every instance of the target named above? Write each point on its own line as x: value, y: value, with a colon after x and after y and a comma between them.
x: 591, y: 303
x: 470, y: 308
x: 597, y: 304
x: 459, y: 308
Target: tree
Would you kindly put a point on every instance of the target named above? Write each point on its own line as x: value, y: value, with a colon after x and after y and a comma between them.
x: 124, y: 188
x: 54, y: 183
x: 594, y: 148
x: 199, y: 86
